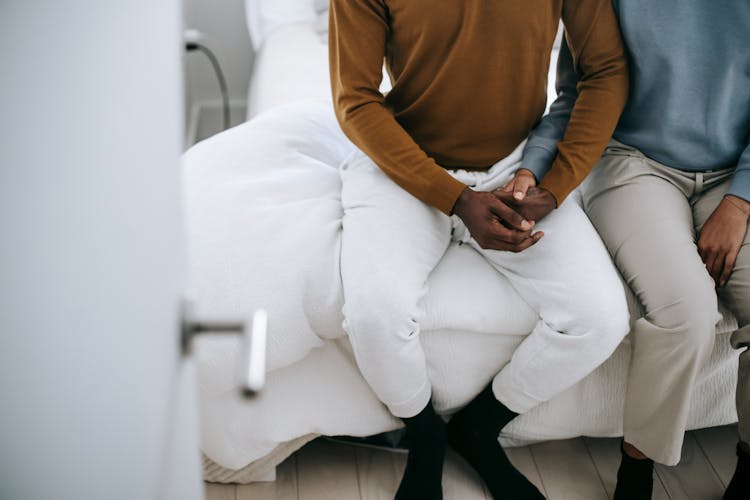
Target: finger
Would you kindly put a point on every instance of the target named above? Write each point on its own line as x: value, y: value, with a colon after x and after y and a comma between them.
x: 526, y: 243
x: 500, y: 232
x: 501, y: 246
x: 504, y: 246
x: 729, y: 263
x: 702, y: 251
x: 509, y: 186
x: 510, y: 216
x: 506, y: 235
x: 710, y: 260
x: 717, y: 266
x: 523, y: 183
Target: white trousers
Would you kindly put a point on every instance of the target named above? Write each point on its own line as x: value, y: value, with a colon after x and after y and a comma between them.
x: 392, y: 242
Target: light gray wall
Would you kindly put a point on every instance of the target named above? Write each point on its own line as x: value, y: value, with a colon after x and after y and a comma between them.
x: 223, y: 22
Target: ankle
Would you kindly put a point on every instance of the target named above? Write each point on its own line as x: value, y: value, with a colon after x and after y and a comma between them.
x: 632, y: 452
x: 427, y: 442
x: 426, y: 417
x: 426, y: 425
x: 484, y: 414
x: 635, y: 477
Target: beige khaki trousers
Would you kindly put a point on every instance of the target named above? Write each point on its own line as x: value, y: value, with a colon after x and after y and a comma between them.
x: 649, y: 216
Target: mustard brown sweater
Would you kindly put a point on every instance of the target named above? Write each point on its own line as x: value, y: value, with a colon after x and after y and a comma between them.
x: 469, y: 84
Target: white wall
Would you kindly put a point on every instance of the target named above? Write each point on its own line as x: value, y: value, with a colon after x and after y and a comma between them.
x: 223, y: 22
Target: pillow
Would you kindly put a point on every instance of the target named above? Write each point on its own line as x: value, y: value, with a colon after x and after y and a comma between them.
x: 264, y: 16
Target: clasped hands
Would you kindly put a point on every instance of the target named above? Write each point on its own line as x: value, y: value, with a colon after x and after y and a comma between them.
x: 504, y: 219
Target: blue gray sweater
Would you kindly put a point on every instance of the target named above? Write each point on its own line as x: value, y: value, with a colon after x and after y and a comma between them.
x: 689, y: 105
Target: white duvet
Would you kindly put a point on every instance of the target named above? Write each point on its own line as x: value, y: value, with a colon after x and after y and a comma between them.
x: 264, y: 220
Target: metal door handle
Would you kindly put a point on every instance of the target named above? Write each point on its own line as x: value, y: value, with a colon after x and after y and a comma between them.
x: 252, y: 360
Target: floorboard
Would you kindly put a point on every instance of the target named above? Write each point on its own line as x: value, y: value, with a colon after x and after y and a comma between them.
x: 523, y: 460
x: 694, y: 478
x: 284, y: 488
x: 327, y: 471
x: 216, y: 491
x: 460, y: 481
x: 605, y: 453
x: 719, y: 445
x: 567, y: 471
x: 379, y: 472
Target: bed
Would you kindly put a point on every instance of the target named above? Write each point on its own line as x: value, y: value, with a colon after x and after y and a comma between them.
x: 263, y: 230
x: 291, y: 60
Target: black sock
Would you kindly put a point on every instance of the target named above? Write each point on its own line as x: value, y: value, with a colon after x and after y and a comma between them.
x: 426, y: 435
x: 739, y: 486
x: 473, y: 433
x: 635, y: 478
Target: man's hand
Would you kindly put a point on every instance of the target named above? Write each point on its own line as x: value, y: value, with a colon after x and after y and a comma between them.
x: 536, y: 204
x: 493, y: 224
x: 520, y: 184
x: 722, y: 236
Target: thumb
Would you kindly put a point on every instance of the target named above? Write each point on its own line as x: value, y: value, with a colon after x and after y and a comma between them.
x: 522, y: 185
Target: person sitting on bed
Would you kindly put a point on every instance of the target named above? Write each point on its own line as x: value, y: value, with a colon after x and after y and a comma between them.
x: 469, y: 85
x: 671, y: 200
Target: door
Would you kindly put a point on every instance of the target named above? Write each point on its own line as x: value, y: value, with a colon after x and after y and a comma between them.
x: 96, y: 401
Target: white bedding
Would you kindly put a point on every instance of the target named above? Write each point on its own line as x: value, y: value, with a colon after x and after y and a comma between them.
x: 291, y: 65
x: 291, y: 61
x: 264, y: 16
x: 262, y: 202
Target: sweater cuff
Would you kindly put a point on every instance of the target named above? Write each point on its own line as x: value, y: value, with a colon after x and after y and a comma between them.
x: 444, y: 192
x: 560, y: 181
x: 740, y: 186
x: 538, y: 160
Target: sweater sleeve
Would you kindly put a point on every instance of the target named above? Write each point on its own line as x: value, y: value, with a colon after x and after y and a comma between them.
x: 740, y: 185
x: 541, y: 148
x: 357, y: 44
x: 599, y: 58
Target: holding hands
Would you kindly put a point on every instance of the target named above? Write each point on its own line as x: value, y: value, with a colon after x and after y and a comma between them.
x: 505, y: 218
x: 523, y: 195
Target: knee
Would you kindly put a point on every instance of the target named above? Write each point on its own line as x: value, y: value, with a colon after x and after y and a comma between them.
x: 375, y: 319
x: 689, y: 320
x: 603, y: 315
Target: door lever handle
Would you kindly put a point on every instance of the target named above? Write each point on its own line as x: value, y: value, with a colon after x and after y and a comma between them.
x: 252, y: 359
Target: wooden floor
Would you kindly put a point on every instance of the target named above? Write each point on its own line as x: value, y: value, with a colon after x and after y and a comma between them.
x: 576, y: 469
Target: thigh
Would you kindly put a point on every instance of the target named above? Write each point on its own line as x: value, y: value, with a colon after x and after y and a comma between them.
x: 391, y: 241
x: 646, y: 222
x: 736, y: 294
x: 567, y: 274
